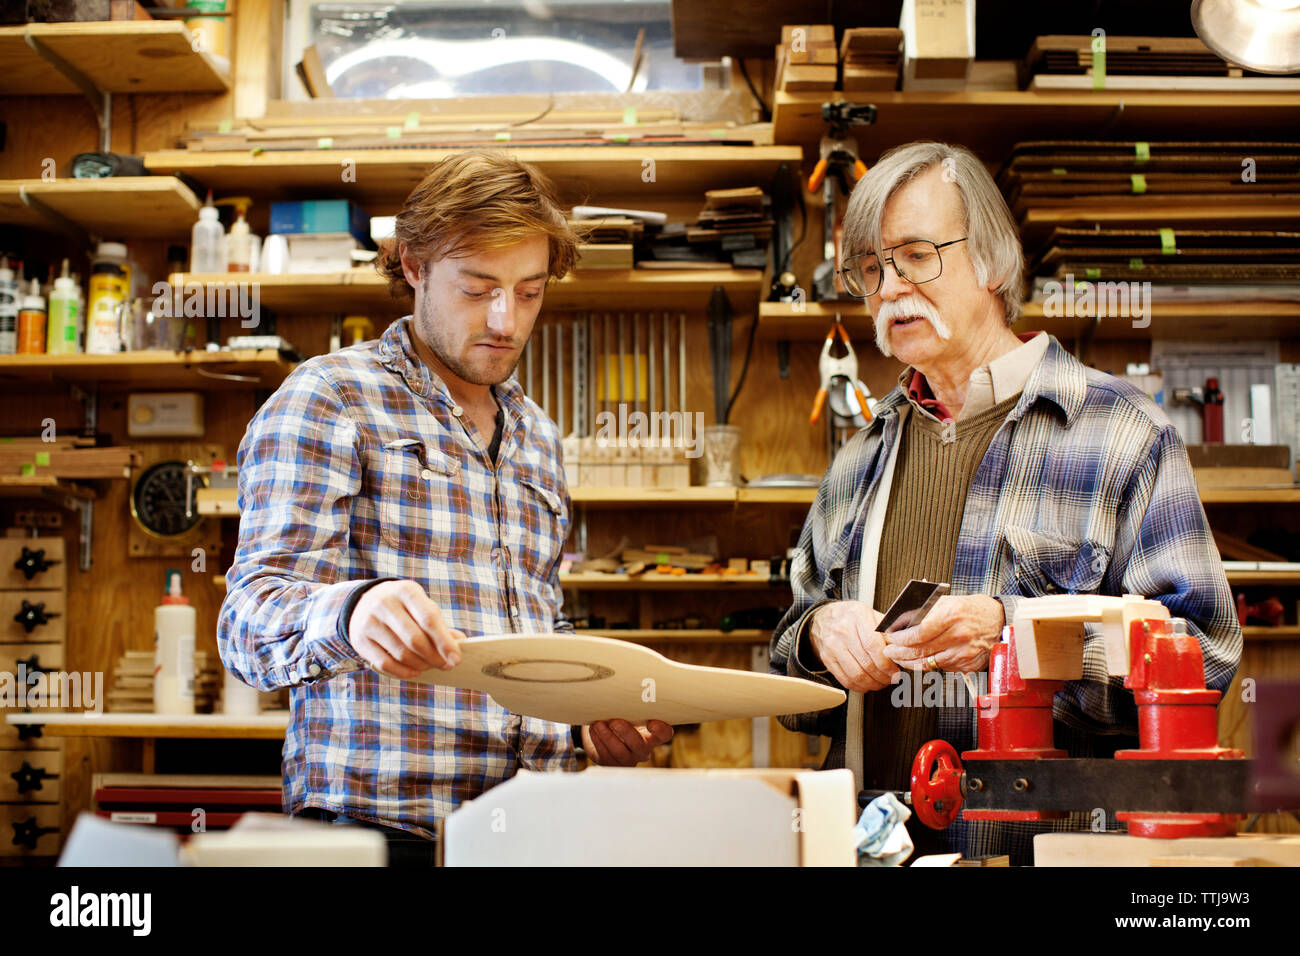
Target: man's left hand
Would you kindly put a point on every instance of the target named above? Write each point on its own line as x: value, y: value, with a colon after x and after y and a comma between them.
x: 618, y: 743
x: 955, y: 636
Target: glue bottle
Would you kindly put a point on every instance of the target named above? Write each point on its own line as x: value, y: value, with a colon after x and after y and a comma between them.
x: 239, y: 241
x: 208, y: 248
x: 174, y: 624
x: 110, y: 285
x: 31, y: 322
x: 62, y: 336
x: 8, y: 309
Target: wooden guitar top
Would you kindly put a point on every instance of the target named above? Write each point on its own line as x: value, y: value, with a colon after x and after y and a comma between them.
x: 580, y: 679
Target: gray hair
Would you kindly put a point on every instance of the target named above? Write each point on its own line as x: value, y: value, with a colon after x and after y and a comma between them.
x: 994, y: 241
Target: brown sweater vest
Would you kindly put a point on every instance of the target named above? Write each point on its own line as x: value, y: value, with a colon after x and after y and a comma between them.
x: 919, y: 540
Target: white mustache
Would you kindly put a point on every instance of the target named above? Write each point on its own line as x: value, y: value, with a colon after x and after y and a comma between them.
x: 911, y: 305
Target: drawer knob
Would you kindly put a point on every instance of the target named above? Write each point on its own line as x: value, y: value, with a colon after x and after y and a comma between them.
x: 33, y: 562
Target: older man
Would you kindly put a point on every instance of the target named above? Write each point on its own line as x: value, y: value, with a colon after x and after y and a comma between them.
x: 999, y: 464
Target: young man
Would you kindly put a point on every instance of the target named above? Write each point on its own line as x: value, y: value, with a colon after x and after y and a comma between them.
x: 399, y: 495
x: 999, y: 464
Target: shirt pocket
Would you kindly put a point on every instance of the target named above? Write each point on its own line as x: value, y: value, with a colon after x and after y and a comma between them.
x: 545, y: 525
x: 1045, y: 563
x: 424, y: 505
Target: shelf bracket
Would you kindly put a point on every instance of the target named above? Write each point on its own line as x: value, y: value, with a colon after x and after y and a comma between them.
x: 101, y: 101
x: 90, y: 409
x: 54, y: 217
x: 85, y: 509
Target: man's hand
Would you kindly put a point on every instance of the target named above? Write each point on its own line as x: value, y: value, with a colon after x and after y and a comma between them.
x: 618, y: 743
x: 957, y: 633
x: 843, y: 633
x: 401, y: 632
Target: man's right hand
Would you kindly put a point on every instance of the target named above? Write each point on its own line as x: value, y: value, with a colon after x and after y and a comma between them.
x: 401, y: 632
x: 844, y: 636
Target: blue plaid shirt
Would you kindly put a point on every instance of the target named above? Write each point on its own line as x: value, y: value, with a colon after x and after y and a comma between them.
x: 362, y: 467
x: 1085, y: 488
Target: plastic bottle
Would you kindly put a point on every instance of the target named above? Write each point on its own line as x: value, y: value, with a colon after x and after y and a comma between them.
x: 239, y: 243
x: 62, y: 335
x: 207, y: 247
x: 31, y: 322
x: 174, y: 626
x: 109, y: 285
x: 8, y: 309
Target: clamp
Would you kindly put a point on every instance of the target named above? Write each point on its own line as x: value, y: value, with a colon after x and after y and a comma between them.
x: 831, y: 368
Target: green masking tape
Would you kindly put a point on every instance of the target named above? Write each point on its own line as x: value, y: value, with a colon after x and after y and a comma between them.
x: 1099, y: 61
x: 394, y: 132
x: 1136, y: 263
x: 1092, y: 272
x: 1058, y: 171
x: 325, y: 142
x: 224, y: 126
x: 1167, y: 245
x: 412, y: 120
x: 663, y: 558
x: 1142, y: 151
x: 42, y: 459
x: 257, y: 150
x: 1139, y: 183
x: 621, y: 138
x: 629, y: 116
x: 503, y: 137
x: 28, y: 470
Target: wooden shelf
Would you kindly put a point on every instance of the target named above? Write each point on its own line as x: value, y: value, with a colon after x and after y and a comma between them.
x: 1289, y: 632
x: 129, y: 56
x: 810, y: 321
x: 1156, y: 212
x: 1280, y: 494
x: 1191, y: 320
x: 365, y: 291
x: 197, y: 726
x: 991, y: 121
x: 1248, y: 578
x: 150, y: 370
x: 384, y: 177
x: 42, y: 486
x: 651, y: 581
x: 684, y: 636
x: 139, y: 207
x: 616, y: 497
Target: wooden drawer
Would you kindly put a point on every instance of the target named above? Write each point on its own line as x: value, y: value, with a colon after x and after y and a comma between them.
x: 48, y: 656
x: 53, y: 631
x: 39, y: 776
x: 9, y: 739
x: 17, y: 818
x: 54, y: 577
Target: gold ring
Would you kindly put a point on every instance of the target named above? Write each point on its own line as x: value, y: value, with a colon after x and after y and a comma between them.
x: 931, y: 664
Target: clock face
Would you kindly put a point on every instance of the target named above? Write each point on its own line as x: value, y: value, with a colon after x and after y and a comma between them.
x: 158, y: 500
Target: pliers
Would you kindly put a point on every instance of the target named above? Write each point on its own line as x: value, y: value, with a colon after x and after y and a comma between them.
x: 831, y: 368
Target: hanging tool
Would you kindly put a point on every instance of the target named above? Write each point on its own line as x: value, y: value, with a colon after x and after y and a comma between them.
x: 839, y: 380
x: 559, y: 377
x: 838, y: 164
x: 719, y: 325
x: 681, y: 361
x: 546, y: 371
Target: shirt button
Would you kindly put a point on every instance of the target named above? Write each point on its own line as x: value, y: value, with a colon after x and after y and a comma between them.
x: 427, y: 475
x: 457, y: 411
x: 314, y: 670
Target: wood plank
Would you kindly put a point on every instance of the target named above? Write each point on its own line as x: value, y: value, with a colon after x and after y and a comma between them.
x: 1120, y: 849
x: 154, y: 369
x: 579, y: 680
x: 197, y: 726
x: 139, y: 207
x: 652, y: 581
x: 134, y: 56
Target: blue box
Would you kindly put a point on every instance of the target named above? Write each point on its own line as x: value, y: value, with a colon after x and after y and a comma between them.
x: 321, y: 216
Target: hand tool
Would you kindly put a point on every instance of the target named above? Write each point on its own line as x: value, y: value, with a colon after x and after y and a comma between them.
x: 839, y: 374
x: 838, y: 161
x: 719, y: 325
x: 622, y: 351
x: 546, y: 370
x: 559, y: 377
x: 681, y: 362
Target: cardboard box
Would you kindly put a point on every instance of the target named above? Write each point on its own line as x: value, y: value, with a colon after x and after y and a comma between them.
x: 609, y: 816
x: 938, y: 43
x: 320, y: 216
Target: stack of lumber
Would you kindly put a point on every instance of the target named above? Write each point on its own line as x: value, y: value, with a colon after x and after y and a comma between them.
x: 736, y: 221
x: 64, y: 458
x: 609, y: 242
x: 1196, y: 218
x: 870, y: 58
x: 132, y: 688
x: 1137, y: 63
x: 806, y: 58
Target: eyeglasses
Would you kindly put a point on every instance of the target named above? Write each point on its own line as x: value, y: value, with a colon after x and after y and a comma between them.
x: 915, y: 262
